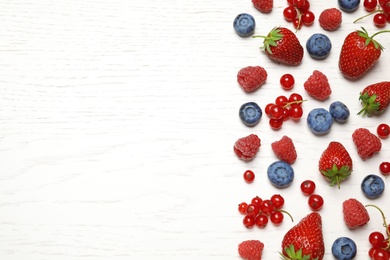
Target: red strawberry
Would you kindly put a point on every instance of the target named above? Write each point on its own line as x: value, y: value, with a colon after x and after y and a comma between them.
x: 283, y: 46
x: 359, y: 53
x: 264, y: 6
x: 247, y: 147
x: 335, y: 163
x: 367, y: 143
x: 251, y: 78
x: 330, y: 19
x: 355, y: 214
x: 375, y: 98
x: 317, y: 86
x: 284, y: 149
x: 251, y: 249
x: 305, y: 240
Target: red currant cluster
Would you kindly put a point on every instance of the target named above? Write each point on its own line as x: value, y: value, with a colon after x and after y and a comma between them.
x: 298, y: 13
x: 259, y: 211
x: 283, y: 109
x: 315, y: 201
x: 380, y: 243
x: 380, y: 9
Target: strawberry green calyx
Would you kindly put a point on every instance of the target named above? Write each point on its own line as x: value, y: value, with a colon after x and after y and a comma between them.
x: 270, y: 40
x: 336, y: 175
x: 294, y: 255
x: 363, y: 33
x: 370, y: 105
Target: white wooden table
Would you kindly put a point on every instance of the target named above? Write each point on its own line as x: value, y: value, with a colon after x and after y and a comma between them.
x: 117, y: 125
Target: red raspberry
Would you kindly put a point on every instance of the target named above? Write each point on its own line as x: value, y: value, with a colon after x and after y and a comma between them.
x: 251, y: 249
x: 284, y: 149
x: 330, y: 19
x: 247, y: 147
x: 251, y: 78
x: 355, y: 214
x: 317, y: 86
x: 367, y: 143
x: 264, y: 6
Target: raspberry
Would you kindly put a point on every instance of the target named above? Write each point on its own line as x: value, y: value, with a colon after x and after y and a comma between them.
x: 317, y: 86
x: 264, y: 6
x: 330, y: 19
x: 367, y: 143
x: 355, y: 214
x: 247, y: 147
x: 251, y: 78
x: 251, y: 249
x: 284, y: 149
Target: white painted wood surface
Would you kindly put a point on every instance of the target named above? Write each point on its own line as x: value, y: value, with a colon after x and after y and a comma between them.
x: 117, y: 122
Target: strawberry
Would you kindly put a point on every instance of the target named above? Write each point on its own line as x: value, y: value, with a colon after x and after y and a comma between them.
x: 335, y: 163
x: 264, y: 6
x: 305, y: 240
x: 355, y: 214
x: 367, y: 143
x: 359, y: 53
x: 247, y: 147
x: 284, y: 149
x: 330, y: 19
x: 317, y: 86
x: 251, y: 78
x: 251, y: 249
x: 375, y: 98
x: 282, y: 46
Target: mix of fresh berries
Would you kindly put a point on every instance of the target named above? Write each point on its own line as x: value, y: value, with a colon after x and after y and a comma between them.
x: 258, y: 212
x: 251, y: 78
x: 367, y: 143
x: 358, y: 54
x: 355, y: 214
x: 247, y: 147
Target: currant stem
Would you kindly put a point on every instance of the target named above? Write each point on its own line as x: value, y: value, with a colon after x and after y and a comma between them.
x: 294, y: 103
x: 383, y: 217
x: 283, y: 211
x: 373, y: 12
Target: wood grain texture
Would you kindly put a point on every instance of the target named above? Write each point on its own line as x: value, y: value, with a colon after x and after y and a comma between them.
x: 117, y: 121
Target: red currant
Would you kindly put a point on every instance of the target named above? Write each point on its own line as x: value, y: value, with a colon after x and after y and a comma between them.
x: 249, y: 221
x: 276, y: 111
x: 296, y: 111
x: 315, y: 202
x: 277, y: 200
x: 287, y: 81
x: 252, y: 210
x: 286, y: 113
x: 267, y: 207
x: 299, y: 3
x: 384, y: 168
x: 376, y: 239
x: 242, y: 207
x: 308, y: 187
x: 276, y: 217
x: 305, y: 7
x: 297, y: 23
x: 261, y: 220
x: 379, y: 20
x: 289, y: 13
x: 276, y: 124
x: 295, y: 97
x: 370, y: 5
x: 308, y: 18
x: 383, y: 130
x: 380, y: 254
x: 281, y: 101
x: 249, y: 176
x: 257, y: 201
x: 267, y: 108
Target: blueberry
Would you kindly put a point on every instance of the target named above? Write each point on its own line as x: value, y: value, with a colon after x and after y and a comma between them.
x: 281, y: 174
x: 250, y: 113
x: 349, y: 5
x: 344, y: 248
x: 319, y: 121
x: 373, y: 186
x: 339, y: 111
x: 244, y: 24
x: 318, y: 46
